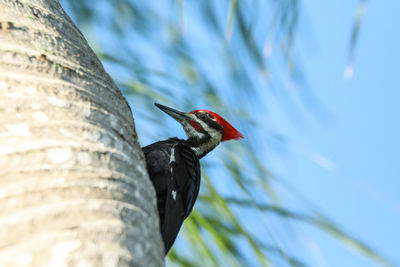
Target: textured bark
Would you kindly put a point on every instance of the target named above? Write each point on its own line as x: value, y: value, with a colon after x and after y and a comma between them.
x: 73, y: 184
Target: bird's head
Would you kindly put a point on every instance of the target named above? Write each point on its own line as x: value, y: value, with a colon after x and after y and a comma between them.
x: 205, y: 129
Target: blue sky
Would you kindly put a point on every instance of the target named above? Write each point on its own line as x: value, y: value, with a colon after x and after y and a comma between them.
x: 348, y: 165
x: 343, y: 159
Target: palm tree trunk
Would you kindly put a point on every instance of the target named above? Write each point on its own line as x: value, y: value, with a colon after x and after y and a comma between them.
x: 73, y: 184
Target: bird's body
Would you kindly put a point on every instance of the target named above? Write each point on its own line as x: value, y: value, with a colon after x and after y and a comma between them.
x: 174, y: 168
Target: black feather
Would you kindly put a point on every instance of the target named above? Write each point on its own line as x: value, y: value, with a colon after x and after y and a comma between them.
x: 181, y: 176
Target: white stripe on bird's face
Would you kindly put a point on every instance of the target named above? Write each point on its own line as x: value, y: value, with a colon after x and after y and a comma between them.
x: 205, y: 139
x: 190, y: 130
x: 210, y: 143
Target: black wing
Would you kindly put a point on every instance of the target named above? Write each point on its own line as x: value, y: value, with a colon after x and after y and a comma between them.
x: 187, y: 175
x: 174, y: 170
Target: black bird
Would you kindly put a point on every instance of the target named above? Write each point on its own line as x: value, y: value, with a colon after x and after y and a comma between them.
x: 174, y: 168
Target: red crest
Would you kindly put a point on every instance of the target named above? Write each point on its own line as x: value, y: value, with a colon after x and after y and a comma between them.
x: 229, y: 131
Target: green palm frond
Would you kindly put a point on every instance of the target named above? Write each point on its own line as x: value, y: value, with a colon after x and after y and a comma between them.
x: 216, y: 54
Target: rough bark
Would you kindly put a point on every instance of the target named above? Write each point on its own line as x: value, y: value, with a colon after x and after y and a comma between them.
x: 73, y: 184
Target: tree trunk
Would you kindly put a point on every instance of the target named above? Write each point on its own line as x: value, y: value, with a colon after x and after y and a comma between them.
x: 73, y: 184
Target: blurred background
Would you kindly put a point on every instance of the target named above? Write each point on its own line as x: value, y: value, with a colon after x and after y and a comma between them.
x: 314, y: 88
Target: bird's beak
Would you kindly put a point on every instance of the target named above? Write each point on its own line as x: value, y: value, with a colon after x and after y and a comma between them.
x: 176, y: 114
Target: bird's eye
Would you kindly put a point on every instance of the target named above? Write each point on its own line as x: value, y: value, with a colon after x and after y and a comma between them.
x: 203, y: 116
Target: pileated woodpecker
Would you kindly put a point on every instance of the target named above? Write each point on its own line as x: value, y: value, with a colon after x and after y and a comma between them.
x: 174, y: 168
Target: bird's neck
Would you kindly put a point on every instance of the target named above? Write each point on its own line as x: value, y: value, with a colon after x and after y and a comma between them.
x: 201, y: 146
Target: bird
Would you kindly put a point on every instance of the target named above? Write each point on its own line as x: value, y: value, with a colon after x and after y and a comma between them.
x: 174, y: 168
